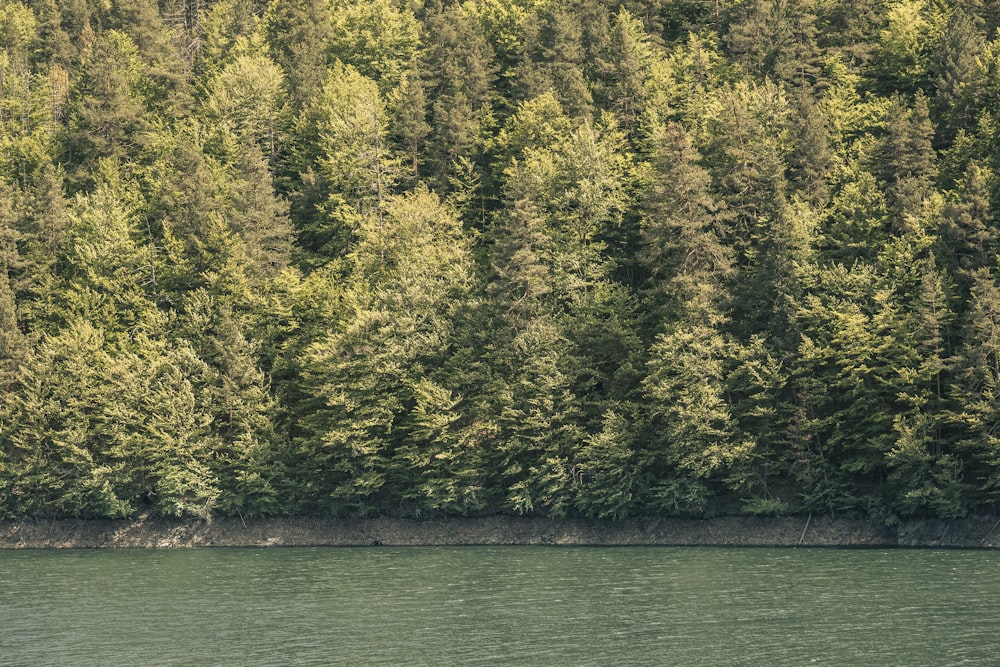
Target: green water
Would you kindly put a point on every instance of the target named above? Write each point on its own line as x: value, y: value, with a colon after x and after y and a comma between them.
x: 500, y: 606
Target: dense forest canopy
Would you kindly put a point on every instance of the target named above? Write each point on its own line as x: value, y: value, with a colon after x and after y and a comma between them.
x: 424, y: 257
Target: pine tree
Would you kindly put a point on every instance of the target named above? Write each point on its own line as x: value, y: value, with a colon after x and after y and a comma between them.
x: 348, y: 170
x: 107, y: 104
x: 299, y: 34
x: 956, y: 69
x: 379, y: 38
x: 623, y: 70
x: 554, y: 59
x: 682, y: 246
x: 777, y: 38
x: 907, y: 153
x: 245, y: 104
x: 458, y: 73
x: 410, y: 272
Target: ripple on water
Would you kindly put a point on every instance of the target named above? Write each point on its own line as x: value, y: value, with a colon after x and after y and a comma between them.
x: 499, y: 605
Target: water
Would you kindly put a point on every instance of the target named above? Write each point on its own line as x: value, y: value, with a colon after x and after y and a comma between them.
x: 500, y: 606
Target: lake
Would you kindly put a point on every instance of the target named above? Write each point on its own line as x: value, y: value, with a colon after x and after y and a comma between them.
x: 500, y: 606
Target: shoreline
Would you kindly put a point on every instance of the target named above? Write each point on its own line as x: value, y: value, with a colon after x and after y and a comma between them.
x: 149, y: 533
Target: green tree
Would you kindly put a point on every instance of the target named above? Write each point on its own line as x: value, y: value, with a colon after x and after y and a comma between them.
x: 956, y: 70
x: 222, y: 27
x: 299, y: 34
x: 902, y: 57
x: 777, y: 38
x: 410, y: 270
x: 57, y: 453
x: 978, y: 380
x: 107, y: 104
x: 346, y: 169
x: 109, y: 275
x: 907, y: 154
x: 245, y: 103
x: 683, y: 250
x: 554, y: 59
x: 458, y: 77
x: 697, y: 439
x: 623, y: 70
x: 379, y: 38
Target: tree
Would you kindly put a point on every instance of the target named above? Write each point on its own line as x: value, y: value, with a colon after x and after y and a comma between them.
x: 554, y: 58
x: 245, y: 104
x: 624, y: 69
x: 347, y: 171
x: 43, y: 228
x: 237, y: 405
x: 811, y: 158
x: 107, y: 104
x: 683, y: 250
x: 299, y: 34
x: 29, y: 101
x: 907, y: 154
x: 902, y: 57
x: 966, y: 241
x: 184, y: 226
x: 777, y: 38
x: 978, y: 380
x: 698, y: 437
x: 409, y: 122
x: 379, y: 38
x: 167, y: 60
x: 566, y: 339
x: 224, y: 28
x: 458, y: 77
x: 373, y: 372
x: 259, y: 217
x: 745, y: 142
x: 924, y: 473
x: 57, y: 455
x: 956, y: 69
x: 109, y: 275
x: 13, y: 345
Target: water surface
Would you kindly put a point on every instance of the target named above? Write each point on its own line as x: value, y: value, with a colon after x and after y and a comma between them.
x: 500, y: 606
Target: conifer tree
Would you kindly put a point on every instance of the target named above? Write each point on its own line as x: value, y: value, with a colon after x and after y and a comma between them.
x: 458, y: 78
x: 346, y: 170
x: 907, y: 155
x: 623, y: 69
x: 554, y: 59
x: 108, y: 104
x: 410, y: 272
x: 379, y: 38
x: 299, y: 34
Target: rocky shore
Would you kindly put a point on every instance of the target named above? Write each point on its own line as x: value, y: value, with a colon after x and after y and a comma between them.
x: 978, y: 532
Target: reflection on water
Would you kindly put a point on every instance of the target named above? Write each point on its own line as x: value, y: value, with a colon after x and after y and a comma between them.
x: 500, y: 606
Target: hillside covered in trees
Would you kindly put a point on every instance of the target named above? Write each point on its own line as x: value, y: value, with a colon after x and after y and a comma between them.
x: 425, y: 257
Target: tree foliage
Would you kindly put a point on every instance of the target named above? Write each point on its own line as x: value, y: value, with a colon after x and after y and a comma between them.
x: 425, y: 258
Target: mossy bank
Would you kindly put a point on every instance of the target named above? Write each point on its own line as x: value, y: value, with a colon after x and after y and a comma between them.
x: 978, y: 532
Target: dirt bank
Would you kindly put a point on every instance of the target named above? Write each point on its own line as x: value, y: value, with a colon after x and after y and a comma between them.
x: 980, y: 532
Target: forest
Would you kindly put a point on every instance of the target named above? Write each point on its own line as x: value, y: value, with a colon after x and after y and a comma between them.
x: 422, y: 258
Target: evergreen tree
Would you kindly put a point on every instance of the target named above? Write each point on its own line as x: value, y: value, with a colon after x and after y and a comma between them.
x: 907, y: 155
x: 459, y: 74
x: 299, y: 34
x: 554, y: 59
x: 683, y: 250
x: 108, y: 104
x: 410, y: 272
x: 623, y: 69
x: 379, y: 38
x: 245, y: 105
x: 956, y: 70
x: 978, y: 379
x: 346, y: 169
